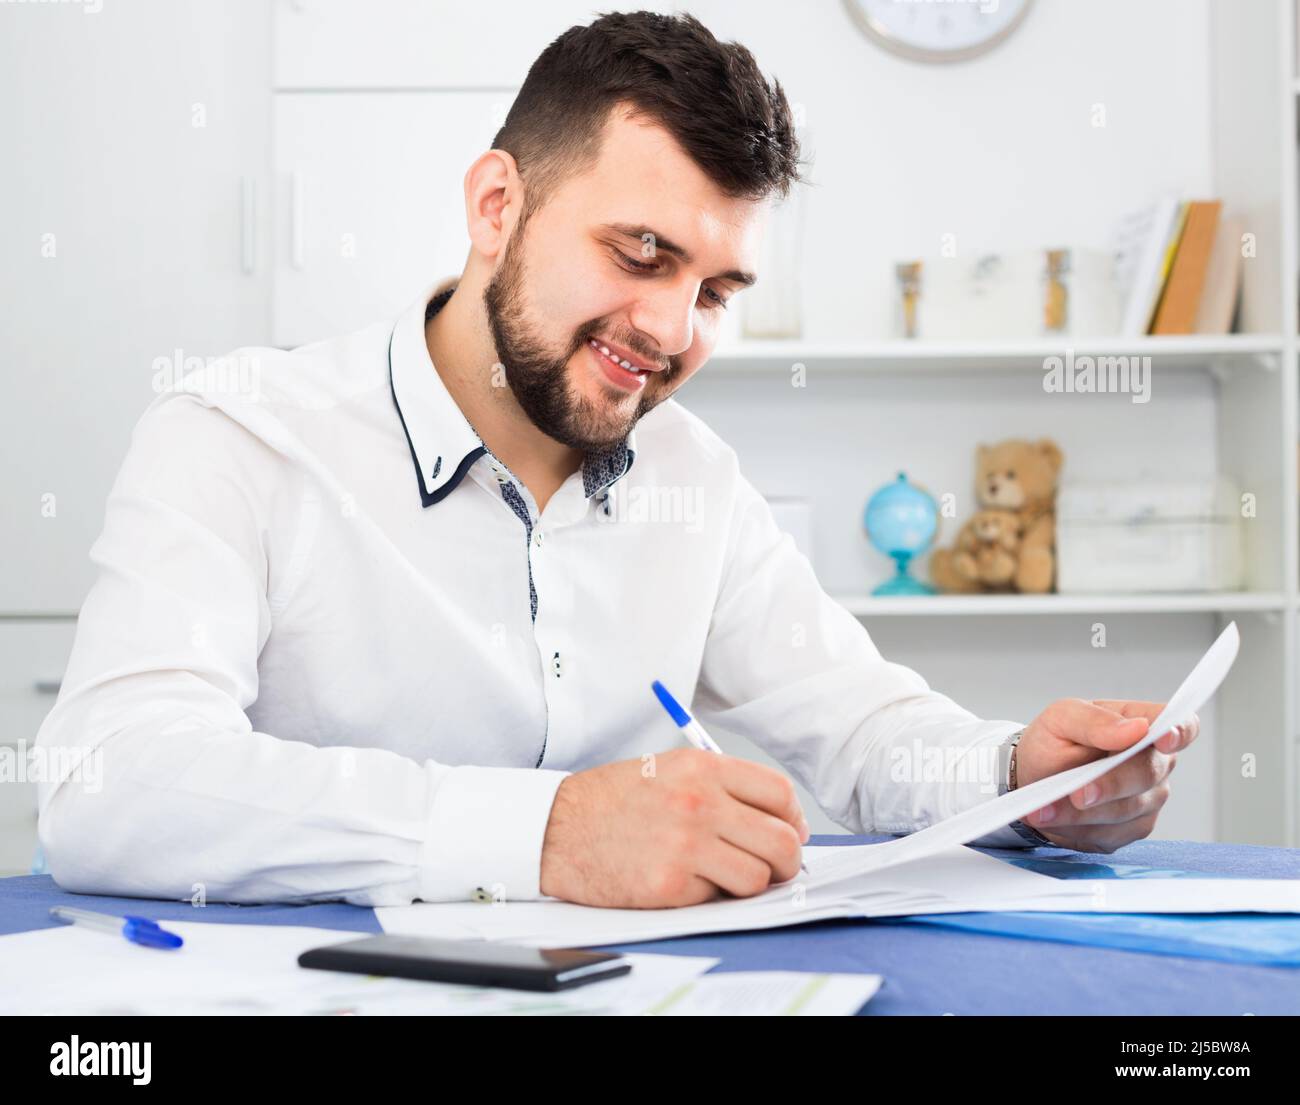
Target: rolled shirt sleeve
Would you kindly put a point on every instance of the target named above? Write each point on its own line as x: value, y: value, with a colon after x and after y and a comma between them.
x: 164, y: 789
x: 789, y: 668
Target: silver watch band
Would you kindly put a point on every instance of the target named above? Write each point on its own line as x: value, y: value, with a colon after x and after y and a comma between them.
x: 1026, y: 832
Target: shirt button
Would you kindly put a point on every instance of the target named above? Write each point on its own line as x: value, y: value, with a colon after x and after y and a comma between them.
x: 537, y: 538
x: 556, y: 666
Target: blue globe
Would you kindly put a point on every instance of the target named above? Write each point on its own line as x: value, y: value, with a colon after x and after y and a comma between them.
x: 901, y: 521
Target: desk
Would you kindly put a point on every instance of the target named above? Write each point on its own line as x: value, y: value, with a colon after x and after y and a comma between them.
x: 926, y: 969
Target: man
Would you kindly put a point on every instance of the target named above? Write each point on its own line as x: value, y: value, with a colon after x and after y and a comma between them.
x: 383, y: 627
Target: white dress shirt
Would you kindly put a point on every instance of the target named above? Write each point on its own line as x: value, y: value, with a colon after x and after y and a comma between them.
x: 333, y: 650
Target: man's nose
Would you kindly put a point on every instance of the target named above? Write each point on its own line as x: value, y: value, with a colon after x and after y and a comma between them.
x: 666, y: 319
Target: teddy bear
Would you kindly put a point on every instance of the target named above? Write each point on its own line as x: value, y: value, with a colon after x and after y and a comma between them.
x: 986, y: 548
x: 1020, y: 477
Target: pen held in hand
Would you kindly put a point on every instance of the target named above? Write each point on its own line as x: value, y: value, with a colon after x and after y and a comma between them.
x: 691, y: 729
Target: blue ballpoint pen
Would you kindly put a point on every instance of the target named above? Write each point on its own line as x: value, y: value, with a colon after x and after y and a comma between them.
x: 139, y: 930
x: 691, y: 729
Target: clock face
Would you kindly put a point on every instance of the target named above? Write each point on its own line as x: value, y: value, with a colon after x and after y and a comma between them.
x: 937, y: 30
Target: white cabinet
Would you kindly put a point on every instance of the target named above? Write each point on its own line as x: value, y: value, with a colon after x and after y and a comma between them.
x: 445, y: 44
x: 33, y: 656
x: 370, y: 201
x: 134, y: 224
x: 379, y: 110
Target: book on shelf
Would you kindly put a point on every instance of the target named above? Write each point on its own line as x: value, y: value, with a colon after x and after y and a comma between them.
x: 1218, y: 306
x: 1141, y: 255
x: 1178, y: 265
x: 1182, y: 292
x: 1172, y: 242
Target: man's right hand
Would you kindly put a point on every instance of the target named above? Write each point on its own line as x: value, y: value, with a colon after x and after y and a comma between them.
x: 677, y: 830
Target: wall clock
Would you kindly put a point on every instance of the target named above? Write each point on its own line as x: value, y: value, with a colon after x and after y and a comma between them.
x: 937, y: 30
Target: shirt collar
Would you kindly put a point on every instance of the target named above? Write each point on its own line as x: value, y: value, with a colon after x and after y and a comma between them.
x: 442, y: 442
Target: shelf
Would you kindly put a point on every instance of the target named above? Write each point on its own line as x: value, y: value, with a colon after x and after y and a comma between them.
x: 986, y: 605
x: 1194, y: 351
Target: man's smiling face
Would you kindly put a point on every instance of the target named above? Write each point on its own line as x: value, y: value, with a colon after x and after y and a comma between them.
x: 640, y: 255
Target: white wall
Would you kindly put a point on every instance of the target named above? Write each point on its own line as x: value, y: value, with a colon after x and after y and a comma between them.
x: 1000, y: 151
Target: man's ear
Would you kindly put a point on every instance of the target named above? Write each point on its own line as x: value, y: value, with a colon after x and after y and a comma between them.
x: 493, y: 200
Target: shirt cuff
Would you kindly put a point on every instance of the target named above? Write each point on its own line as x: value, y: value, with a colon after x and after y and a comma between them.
x: 969, y: 796
x: 485, y: 832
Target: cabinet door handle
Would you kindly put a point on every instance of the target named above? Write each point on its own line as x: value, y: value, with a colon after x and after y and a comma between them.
x: 296, y: 218
x: 47, y: 686
x: 248, y: 223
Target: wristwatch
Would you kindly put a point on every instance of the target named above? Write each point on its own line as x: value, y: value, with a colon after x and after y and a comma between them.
x: 1008, y: 784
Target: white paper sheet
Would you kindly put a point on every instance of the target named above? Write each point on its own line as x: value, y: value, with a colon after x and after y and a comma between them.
x: 1181, y: 895
x: 253, y: 970
x: 959, y: 878
x: 1195, y: 692
x: 770, y: 994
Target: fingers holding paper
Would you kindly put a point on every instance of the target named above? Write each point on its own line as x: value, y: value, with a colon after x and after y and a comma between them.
x: 1118, y: 807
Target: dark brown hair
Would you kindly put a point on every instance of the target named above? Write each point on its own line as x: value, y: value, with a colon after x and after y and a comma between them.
x: 709, y: 95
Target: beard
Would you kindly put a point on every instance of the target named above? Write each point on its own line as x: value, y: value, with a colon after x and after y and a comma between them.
x: 538, y: 375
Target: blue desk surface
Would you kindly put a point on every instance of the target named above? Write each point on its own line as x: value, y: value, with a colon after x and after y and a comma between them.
x: 926, y: 969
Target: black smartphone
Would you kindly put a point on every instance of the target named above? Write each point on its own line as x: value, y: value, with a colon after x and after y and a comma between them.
x: 471, y: 962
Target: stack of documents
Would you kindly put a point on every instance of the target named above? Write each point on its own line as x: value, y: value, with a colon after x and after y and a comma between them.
x: 928, y: 872
x: 250, y: 970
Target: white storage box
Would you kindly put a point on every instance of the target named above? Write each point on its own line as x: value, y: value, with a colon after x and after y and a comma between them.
x: 1148, y: 536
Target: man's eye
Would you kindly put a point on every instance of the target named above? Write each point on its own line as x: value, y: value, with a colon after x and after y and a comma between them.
x: 633, y: 263
x: 716, y: 300
x: 712, y: 298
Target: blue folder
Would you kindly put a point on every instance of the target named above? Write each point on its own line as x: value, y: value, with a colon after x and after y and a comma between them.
x: 1263, y: 939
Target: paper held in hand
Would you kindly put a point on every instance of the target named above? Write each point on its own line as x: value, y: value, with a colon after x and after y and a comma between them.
x: 1195, y: 692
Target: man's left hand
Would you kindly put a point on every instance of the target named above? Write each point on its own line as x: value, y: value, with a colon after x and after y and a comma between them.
x: 1122, y: 805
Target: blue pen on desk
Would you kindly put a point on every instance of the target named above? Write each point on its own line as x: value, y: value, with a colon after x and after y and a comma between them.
x: 691, y: 729
x: 139, y: 930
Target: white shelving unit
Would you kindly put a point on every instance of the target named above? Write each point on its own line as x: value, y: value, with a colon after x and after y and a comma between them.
x: 1251, y: 380
x: 946, y: 606
x: 1166, y: 353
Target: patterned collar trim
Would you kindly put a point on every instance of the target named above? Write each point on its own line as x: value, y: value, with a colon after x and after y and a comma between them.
x: 429, y: 410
